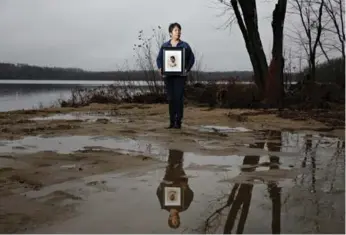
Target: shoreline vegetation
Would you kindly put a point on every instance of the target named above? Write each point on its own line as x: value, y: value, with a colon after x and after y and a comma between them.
x: 321, y: 100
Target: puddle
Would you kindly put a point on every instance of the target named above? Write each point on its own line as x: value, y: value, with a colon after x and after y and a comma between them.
x: 83, y: 117
x: 254, y: 193
x: 223, y: 129
x: 68, y: 144
x: 288, y: 146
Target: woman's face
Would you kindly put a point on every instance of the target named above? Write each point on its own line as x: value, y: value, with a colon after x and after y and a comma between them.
x: 176, y: 33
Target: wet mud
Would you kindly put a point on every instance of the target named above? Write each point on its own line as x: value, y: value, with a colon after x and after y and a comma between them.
x: 234, y: 177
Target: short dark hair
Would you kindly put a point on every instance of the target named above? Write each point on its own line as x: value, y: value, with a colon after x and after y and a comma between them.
x: 172, y: 26
x: 171, y: 225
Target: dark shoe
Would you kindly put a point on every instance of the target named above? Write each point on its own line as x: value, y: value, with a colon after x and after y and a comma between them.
x: 177, y: 125
x: 171, y: 125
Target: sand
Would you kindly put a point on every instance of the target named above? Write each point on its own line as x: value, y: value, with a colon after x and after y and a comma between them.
x: 22, y: 170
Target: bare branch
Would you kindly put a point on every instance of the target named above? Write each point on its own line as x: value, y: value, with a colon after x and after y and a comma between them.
x: 319, y: 27
x: 311, y: 20
x: 337, y: 18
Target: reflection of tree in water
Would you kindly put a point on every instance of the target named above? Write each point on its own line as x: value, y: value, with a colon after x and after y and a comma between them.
x: 330, y: 164
x: 241, y: 194
x: 242, y: 199
x: 310, y: 153
x: 309, y: 160
x: 236, y: 208
x: 334, y: 162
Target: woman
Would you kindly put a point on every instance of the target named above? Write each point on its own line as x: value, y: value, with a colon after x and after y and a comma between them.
x: 175, y: 85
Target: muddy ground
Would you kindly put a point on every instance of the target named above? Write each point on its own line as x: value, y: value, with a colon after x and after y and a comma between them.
x: 90, y: 169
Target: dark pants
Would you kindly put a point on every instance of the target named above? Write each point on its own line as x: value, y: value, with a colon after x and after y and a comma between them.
x: 175, y: 86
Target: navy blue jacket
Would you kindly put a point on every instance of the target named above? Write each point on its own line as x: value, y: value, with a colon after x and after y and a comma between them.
x: 189, y: 56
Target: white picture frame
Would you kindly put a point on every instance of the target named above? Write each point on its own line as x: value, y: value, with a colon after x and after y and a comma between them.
x: 172, y: 196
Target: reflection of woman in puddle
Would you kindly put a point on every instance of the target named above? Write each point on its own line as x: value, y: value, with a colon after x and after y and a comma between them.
x: 175, y: 177
x: 172, y: 62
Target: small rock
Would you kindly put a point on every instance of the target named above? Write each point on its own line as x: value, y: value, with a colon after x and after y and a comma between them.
x: 102, y: 120
x: 18, y: 147
x: 68, y: 166
x: 7, y: 156
x: 37, y: 187
x: 92, y: 183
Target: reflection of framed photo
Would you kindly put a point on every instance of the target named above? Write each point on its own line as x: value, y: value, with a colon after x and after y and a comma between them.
x: 172, y: 196
x: 173, y: 61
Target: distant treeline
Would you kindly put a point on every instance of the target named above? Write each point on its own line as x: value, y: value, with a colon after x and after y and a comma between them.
x: 27, y: 72
x: 331, y: 71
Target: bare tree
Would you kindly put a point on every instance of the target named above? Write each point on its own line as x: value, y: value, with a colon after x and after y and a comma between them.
x: 249, y: 27
x: 310, y: 14
x: 336, y: 10
x: 145, y: 53
x: 269, y: 79
x: 278, y: 63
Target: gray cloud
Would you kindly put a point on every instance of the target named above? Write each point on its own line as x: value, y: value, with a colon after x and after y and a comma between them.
x: 99, y: 34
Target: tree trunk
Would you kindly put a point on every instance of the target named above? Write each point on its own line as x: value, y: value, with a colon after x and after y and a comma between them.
x: 248, y: 44
x: 313, y: 69
x: 275, y: 82
x: 269, y: 80
x: 249, y: 10
x: 249, y: 29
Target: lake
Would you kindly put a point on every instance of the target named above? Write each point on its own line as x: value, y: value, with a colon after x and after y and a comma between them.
x: 28, y: 94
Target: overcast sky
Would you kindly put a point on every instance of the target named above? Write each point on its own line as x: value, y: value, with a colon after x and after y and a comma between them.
x: 99, y: 34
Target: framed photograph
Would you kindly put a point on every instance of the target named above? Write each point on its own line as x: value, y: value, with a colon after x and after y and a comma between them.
x: 173, y: 61
x: 172, y: 196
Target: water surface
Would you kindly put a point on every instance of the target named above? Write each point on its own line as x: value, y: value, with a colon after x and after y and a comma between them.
x: 268, y: 192
x: 28, y: 94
